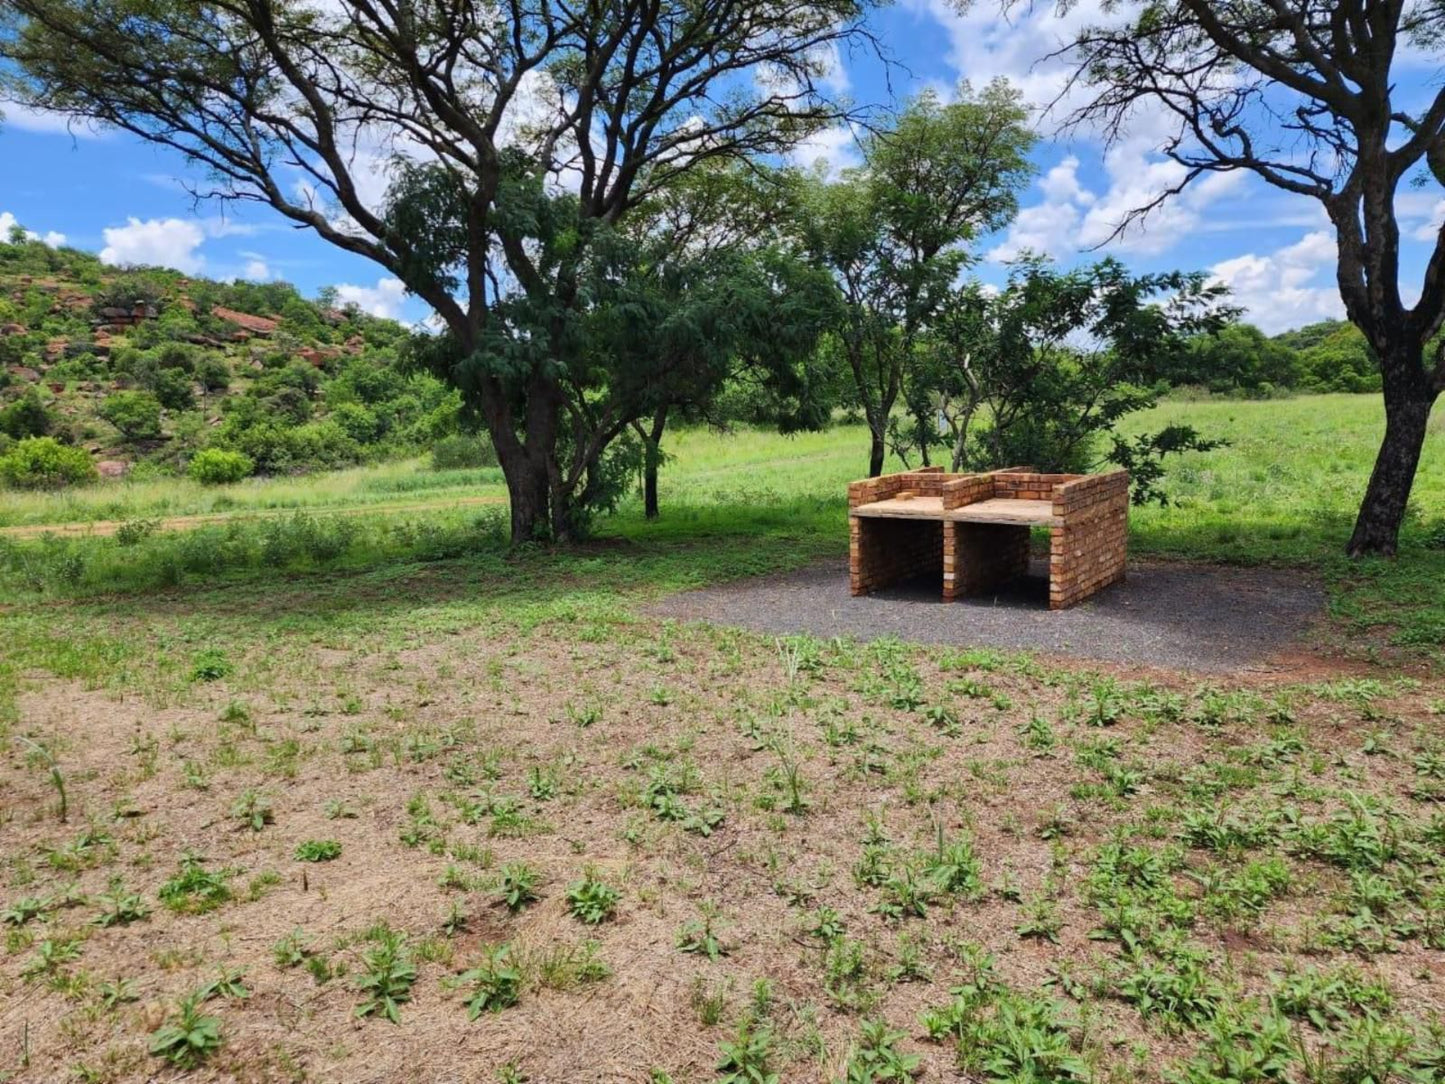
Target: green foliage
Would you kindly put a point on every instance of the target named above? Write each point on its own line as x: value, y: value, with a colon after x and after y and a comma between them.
x: 463, y: 451
x: 591, y: 900
x: 196, y: 890
x: 494, y: 984
x: 219, y: 466
x: 45, y: 463
x: 26, y: 417
x: 387, y: 976
x: 318, y: 850
x: 136, y: 414
x: 1045, y: 371
x: 189, y: 1037
x: 746, y: 1058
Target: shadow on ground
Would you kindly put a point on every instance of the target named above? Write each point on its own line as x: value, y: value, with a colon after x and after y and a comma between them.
x: 1178, y: 616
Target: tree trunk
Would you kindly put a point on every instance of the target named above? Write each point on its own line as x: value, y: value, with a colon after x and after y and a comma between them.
x: 876, y: 452
x: 651, y: 459
x: 529, y: 493
x: 1407, y: 414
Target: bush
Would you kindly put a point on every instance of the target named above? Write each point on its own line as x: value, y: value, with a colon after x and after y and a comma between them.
x: 136, y: 414
x: 460, y: 452
x: 213, y: 373
x: 217, y: 466
x: 173, y: 388
x: 26, y: 417
x: 45, y: 463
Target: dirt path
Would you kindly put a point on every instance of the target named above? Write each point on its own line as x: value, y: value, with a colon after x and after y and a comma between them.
x: 106, y: 527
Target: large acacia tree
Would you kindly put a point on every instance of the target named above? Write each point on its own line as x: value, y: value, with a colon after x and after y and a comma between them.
x: 1316, y: 98
x: 514, y: 134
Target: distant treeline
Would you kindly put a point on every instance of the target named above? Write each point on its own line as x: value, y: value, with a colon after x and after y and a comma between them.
x: 1331, y: 355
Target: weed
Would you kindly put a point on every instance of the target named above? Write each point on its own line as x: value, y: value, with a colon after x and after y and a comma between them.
x: 517, y: 886
x: 196, y: 890
x: 387, y: 976
x: 876, y: 1059
x: 119, y: 907
x: 745, y: 1060
x: 318, y: 850
x: 491, y: 985
x: 591, y: 900
x: 189, y: 1037
x: 253, y: 810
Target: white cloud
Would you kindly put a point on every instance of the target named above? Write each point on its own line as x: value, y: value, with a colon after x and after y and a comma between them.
x: 8, y: 223
x: 50, y: 122
x: 1287, y: 288
x: 160, y: 242
x: 831, y: 149
x: 257, y: 270
x: 384, y: 299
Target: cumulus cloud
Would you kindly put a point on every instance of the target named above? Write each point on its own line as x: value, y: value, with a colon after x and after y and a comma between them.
x: 50, y: 237
x: 384, y: 299
x: 832, y: 150
x: 159, y: 242
x: 256, y: 269
x: 1287, y: 288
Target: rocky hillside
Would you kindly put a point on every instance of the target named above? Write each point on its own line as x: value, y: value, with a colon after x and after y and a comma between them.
x: 143, y: 369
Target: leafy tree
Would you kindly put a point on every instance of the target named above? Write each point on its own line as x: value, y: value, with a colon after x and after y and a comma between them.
x: 617, y: 99
x: 136, y: 414
x: 26, y: 417
x: 1236, y: 357
x: 1335, y: 357
x: 1043, y: 371
x: 893, y: 235
x: 704, y: 287
x: 1309, y: 96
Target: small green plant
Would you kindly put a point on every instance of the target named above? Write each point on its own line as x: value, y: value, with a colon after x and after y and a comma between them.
x: 210, y: 664
x: 387, y: 976
x: 23, y: 910
x: 228, y: 984
x: 876, y: 1058
x: 318, y: 850
x: 189, y: 1036
x: 517, y: 885
x: 253, y: 810
x: 293, y: 950
x: 745, y: 1060
x: 493, y: 984
x: 195, y: 889
x: 39, y: 753
x: 591, y: 900
x: 700, y: 936
x: 118, y: 907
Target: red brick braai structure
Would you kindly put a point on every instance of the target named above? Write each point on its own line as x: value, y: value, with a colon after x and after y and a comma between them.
x: 975, y: 528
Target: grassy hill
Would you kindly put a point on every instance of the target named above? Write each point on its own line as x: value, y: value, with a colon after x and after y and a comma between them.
x: 143, y: 369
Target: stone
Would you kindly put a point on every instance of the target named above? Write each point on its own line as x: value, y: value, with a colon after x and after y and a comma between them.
x: 112, y: 468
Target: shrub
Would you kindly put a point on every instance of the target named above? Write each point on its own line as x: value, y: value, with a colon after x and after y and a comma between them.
x: 135, y: 413
x: 45, y: 463
x: 213, y: 373
x: 459, y: 452
x: 217, y: 466
x: 26, y: 417
x: 173, y: 388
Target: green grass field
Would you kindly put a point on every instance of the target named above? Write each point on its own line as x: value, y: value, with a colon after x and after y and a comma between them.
x: 1283, y: 492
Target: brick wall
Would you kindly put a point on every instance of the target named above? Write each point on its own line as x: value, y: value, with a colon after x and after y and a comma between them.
x: 1087, y: 553
x: 884, y: 551
x: 979, y: 557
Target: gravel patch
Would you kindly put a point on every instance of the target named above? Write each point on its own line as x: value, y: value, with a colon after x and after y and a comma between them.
x: 1177, y: 616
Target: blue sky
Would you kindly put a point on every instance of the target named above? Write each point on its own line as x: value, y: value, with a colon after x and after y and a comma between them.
x: 115, y: 195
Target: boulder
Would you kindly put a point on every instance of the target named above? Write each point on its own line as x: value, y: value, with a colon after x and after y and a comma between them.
x: 112, y: 468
